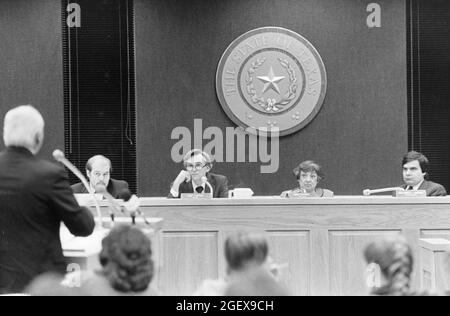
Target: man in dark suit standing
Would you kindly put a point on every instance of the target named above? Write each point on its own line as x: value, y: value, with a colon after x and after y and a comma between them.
x: 98, y: 171
x: 192, y: 180
x: 415, y: 170
x: 35, y: 197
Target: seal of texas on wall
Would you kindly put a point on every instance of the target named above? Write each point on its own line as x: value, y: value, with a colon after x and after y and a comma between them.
x: 270, y: 79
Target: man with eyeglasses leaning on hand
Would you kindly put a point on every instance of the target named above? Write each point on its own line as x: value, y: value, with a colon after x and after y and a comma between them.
x: 197, y: 165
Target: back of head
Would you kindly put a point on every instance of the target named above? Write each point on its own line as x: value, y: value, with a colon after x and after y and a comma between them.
x: 394, y: 257
x: 24, y: 127
x: 245, y: 248
x: 49, y: 284
x: 255, y: 282
x: 126, y: 259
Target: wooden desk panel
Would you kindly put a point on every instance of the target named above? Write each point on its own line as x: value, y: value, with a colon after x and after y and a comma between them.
x: 321, y: 239
x: 434, y: 274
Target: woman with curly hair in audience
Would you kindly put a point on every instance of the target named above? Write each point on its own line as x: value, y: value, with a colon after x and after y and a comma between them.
x: 127, y: 266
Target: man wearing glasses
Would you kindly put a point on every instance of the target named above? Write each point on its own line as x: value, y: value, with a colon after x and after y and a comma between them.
x: 197, y: 165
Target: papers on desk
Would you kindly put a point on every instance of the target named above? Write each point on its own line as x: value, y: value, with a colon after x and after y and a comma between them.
x: 87, y: 199
x: 81, y: 246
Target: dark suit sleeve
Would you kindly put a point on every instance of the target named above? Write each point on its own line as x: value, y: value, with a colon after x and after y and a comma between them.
x: 79, y: 220
x: 223, y: 188
x: 122, y: 186
x: 77, y: 188
x: 439, y: 190
x: 117, y: 187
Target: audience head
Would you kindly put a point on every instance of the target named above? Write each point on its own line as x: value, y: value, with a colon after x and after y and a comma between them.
x: 24, y: 127
x: 245, y: 249
x: 256, y: 282
x: 197, y: 163
x: 415, y: 168
x: 393, y: 259
x: 50, y: 284
x: 308, y: 174
x: 126, y: 259
x: 247, y: 256
x: 98, y: 170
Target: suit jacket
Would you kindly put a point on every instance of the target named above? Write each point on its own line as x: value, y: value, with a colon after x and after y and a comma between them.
x: 218, y: 182
x: 115, y: 187
x: 432, y: 188
x: 35, y: 197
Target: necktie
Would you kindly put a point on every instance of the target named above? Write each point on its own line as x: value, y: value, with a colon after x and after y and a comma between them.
x: 409, y: 187
x: 199, y: 189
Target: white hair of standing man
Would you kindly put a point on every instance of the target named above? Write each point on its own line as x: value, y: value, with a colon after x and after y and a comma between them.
x: 24, y: 127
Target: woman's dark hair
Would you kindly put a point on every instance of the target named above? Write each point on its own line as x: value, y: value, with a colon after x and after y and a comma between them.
x: 308, y: 166
x: 243, y: 248
x: 126, y: 259
x: 394, y: 257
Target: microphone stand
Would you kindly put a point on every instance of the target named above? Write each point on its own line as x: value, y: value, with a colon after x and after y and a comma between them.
x: 205, y: 180
x: 123, y: 209
x: 367, y: 192
x: 58, y: 155
x: 134, y: 203
x: 115, y: 206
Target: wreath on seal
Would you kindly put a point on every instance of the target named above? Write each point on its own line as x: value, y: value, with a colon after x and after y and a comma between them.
x: 270, y: 104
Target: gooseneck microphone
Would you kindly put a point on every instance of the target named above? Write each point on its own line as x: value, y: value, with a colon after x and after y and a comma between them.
x: 367, y: 192
x: 205, y: 180
x: 131, y: 205
x: 58, y: 155
x: 100, y: 188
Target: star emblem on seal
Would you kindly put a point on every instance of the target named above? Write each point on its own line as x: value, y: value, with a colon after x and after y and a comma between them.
x: 270, y: 81
x: 269, y: 75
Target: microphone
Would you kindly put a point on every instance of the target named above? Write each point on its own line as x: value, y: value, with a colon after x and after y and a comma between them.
x: 58, y: 155
x: 125, y: 195
x: 100, y: 188
x: 131, y: 205
x: 367, y: 192
x: 205, y: 180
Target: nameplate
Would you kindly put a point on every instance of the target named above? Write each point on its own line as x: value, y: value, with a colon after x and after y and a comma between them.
x: 195, y: 196
x: 410, y: 193
x: 299, y: 195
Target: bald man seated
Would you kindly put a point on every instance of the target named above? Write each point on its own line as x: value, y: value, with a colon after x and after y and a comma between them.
x: 98, y: 171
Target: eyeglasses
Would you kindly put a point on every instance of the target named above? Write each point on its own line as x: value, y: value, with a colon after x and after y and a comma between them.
x: 311, y: 176
x: 197, y: 166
